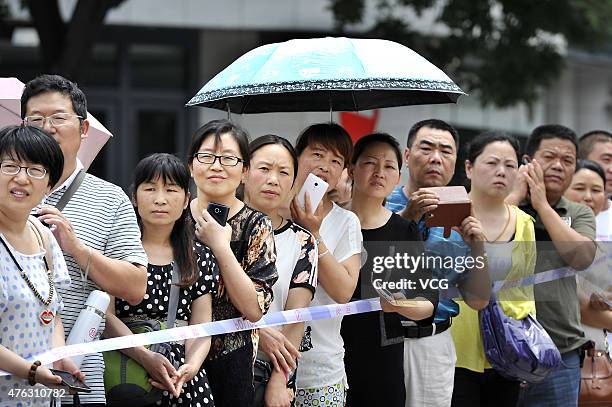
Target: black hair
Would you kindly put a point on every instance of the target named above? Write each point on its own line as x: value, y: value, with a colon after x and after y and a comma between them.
x: 481, y: 141
x: 588, y: 140
x: 432, y: 124
x: 172, y: 170
x: 593, y: 166
x: 366, y: 141
x: 32, y: 144
x: 270, y: 139
x: 55, y: 83
x: 329, y: 135
x: 549, y: 131
x: 217, y: 128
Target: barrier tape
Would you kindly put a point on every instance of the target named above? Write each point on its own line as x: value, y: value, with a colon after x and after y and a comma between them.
x: 207, y: 329
x: 273, y: 319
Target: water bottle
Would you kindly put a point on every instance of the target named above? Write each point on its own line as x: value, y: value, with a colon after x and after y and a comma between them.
x: 86, y: 327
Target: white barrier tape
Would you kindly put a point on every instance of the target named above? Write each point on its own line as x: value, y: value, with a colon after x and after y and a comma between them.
x: 273, y: 319
x: 547, y: 276
x: 207, y: 329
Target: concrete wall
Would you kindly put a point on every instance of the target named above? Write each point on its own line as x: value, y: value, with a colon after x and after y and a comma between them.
x: 582, y: 98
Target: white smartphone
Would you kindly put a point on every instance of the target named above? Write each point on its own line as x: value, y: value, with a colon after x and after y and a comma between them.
x: 316, y: 188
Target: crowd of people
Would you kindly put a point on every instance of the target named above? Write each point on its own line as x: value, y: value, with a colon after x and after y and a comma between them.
x: 275, y: 254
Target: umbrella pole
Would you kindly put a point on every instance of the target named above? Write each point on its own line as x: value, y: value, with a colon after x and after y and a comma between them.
x: 229, y: 113
x: 331, y: 117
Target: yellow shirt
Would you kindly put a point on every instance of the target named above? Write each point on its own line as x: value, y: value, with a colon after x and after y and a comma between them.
x: 516, y: 302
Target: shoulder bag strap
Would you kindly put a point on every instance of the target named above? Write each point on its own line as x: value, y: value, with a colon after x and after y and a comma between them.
x: 174, y: 294
x: 43, y: 239
x: 76, y: 183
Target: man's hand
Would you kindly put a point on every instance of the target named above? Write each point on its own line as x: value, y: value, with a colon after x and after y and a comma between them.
x: 471, y: 230
x: 537, y: 188
x: 520, y: 189
x: 62, y: 229
x: 421, y: 202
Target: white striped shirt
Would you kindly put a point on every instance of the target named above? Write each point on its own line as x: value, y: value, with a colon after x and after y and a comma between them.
x: 103, y: 218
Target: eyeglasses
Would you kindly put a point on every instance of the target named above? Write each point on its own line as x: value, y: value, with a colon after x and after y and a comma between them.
x: 14, y: 169
x: 225, y: 160
x: 55, y: 120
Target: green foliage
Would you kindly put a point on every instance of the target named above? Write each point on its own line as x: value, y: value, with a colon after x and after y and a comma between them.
x: 507, y: 51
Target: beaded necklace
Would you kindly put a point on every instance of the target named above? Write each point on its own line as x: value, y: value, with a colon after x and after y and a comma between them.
x: 46, y: 316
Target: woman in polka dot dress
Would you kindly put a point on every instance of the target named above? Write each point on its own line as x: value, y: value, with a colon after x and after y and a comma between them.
x: 160, y: 195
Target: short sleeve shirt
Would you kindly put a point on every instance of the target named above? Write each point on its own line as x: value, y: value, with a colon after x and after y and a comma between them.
x: 604, y: 224
x: 103, y: 218
x: 297, y: 266
x: 253, y: 246
x: 21, y: 330
x: 557, y: 304
x: 322, y: 362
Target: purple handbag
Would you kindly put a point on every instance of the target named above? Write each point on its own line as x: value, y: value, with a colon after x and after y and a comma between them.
x: 519, y: 349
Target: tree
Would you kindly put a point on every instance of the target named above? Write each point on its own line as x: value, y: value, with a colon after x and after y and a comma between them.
x: 507, y: 51
x: 66, y: 46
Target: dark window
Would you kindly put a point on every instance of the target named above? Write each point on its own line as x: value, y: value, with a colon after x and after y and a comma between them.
x: 158, y: 66
x: 156, y: 132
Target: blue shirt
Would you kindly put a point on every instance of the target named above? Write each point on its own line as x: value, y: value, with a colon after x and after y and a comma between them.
x: 436, y: 244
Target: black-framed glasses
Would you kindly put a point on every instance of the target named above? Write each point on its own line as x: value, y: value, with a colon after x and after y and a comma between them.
x: 225, y: 160
x: 55, y: 120
x: 36, y: 172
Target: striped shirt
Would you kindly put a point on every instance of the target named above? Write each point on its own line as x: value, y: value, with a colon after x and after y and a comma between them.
x: 103, y: 218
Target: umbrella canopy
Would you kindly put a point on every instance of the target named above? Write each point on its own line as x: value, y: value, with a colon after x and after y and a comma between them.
x: 10, y: 113
x: 322, y: 74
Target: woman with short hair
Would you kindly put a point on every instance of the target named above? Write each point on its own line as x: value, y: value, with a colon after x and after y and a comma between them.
x: 32, y: 267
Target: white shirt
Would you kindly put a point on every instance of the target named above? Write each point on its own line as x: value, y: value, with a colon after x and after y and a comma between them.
x: 594, y: 278
x: 604, y: 224
x: 322, y: 362
x: 292, y: 243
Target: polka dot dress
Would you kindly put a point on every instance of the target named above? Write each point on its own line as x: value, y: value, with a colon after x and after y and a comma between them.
x: 155, y: 305
x: 21, y: 330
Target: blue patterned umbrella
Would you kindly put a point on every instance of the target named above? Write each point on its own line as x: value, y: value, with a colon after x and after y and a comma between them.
x: 322, y: 74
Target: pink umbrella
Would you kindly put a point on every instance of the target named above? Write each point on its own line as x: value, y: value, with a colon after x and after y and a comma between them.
x: 10, y: 108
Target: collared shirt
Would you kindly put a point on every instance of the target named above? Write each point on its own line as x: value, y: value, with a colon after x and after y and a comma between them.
x: 103, y: 218
x: 557, y: 301
x: 68, y: 181
x: 436, y: 244
x: 63, y: 187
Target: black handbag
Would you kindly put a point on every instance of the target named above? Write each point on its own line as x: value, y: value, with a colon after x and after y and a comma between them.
x: 262, y: 370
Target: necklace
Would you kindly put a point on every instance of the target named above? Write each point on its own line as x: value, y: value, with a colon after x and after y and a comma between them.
x: 505, y: 226
x: 46, y: 316
x: 280, y: 224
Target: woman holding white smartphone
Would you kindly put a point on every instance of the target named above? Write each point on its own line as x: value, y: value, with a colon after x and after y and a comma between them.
x: 267, y: 186
x: 325, y: 150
